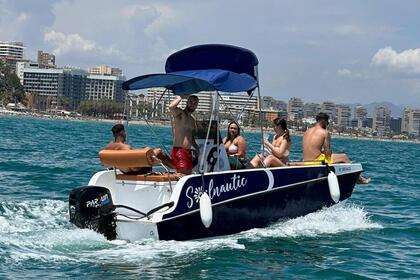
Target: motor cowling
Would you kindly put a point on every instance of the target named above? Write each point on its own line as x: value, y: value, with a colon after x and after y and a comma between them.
x: 92, y: 207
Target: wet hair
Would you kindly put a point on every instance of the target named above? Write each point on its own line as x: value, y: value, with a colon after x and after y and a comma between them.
x: 283, y: 124
x: 322, y: 117
x: 117, y: 130
x: 230, y: 137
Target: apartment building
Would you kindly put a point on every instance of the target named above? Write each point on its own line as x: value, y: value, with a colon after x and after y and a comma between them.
x: 310, y: 110
x: 10, y: 53
x: 328, y: 108
x: 295, y: 109
x: 414, y: 122
x: 46, y: 59
x: 343, y: 115
x: 381, y: 120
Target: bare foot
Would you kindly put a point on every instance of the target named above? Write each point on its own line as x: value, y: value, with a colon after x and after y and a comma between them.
x: 364, y: 181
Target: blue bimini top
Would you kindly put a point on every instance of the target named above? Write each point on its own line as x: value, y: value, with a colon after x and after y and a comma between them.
x: 203, y: 68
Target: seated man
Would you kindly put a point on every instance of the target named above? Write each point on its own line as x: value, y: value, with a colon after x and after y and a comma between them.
x: 316, y: 145
x: 119, y: 144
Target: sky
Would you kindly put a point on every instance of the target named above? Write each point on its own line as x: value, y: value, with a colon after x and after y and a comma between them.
x: 341, y: 51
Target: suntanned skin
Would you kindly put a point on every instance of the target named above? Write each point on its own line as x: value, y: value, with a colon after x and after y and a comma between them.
x: 278, y: 148
x: 239, y: 141
x: 119, y: 144
x: 184, y: 123
x: 316, y: 140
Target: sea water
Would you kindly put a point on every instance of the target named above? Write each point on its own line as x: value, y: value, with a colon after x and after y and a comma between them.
x: 376, y: 234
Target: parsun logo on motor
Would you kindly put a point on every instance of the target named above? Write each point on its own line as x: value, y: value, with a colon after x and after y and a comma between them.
x: 98, y: 202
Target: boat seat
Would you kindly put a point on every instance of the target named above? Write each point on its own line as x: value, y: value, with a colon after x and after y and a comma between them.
x: 127, y: 158
x: 151, y: 177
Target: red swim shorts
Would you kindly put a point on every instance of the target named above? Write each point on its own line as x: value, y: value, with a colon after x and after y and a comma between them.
x: 182, y: 158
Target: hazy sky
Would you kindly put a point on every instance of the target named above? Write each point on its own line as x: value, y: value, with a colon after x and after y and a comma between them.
x: 342, y: 51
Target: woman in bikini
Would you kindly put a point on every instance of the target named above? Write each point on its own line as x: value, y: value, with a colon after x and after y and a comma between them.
x: 275, y: 154
x: 235, y: 145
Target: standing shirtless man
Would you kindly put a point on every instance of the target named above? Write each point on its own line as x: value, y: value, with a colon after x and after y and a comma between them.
x: 316, y: 145
x: 183, y: 127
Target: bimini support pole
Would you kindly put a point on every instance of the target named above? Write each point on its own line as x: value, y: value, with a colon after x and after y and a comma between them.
x: 203, y: 153
x: 259, y: 108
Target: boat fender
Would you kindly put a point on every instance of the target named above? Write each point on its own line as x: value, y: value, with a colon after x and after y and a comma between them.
x: 206, y: 212
x: 334, y: 187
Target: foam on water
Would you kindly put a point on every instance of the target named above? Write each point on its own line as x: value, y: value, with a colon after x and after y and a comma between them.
x: 39, y: 230
x: 338, y: 218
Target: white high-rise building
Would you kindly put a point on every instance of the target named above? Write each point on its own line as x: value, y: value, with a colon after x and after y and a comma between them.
x: 343, y: 115
x: 295, y: 109
x: 328, y: 108
x: 104, y: 87
x: 360, y: 115
x: 12, y: 50
x: 310, y: 110
x: 381, y: 120
x: 405, y: 119
x: 414, y: 122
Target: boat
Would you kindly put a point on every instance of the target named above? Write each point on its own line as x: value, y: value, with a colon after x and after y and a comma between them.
x: 214, y: 200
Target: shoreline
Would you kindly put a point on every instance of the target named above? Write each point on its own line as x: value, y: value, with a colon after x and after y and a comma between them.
x: 168, y: 124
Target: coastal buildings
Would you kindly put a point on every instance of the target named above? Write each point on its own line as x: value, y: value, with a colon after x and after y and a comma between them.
x: 329, y: 108
x: 381, y: 119
x: 61, y: 87
x: 343, y: 115
x: 395, y: 125
x: 104, y: 87
x: 414, y: 122
x: 295, y: 109
x: 105, y: 70
x: 67, y: 87
x: 310, y: 110
x: 360, y: 115
x: 405, y: 118
x: 11, y: 52
x: 269, y: 103
x: 45, y: 59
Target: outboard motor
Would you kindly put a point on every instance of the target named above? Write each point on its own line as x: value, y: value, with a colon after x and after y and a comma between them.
x: 91, y: 207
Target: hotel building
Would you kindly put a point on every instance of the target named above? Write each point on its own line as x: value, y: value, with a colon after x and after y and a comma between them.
x: 414, y: 122
x: 328, y: 108
x: 67, y: 87
x: 343, y: 115
x: 11, y: 52
x: 105, y: 70
x: 45, y: 59
x: 381, y: 120
x: 101, y: 87
x: 295, y: 109
x: 310, y: 110
x: 405, y: 118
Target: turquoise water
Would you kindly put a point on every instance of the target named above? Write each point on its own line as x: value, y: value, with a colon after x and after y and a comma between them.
x: 376, y: 234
